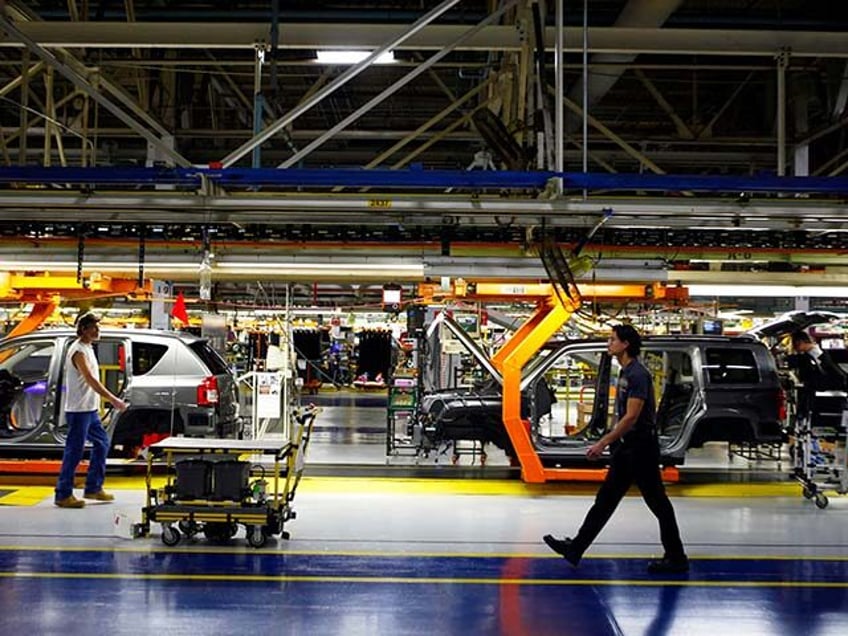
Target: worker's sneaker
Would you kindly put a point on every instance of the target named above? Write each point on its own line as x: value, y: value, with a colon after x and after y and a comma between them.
x: 563, y: 547
x: 100, y: 495
x: 667, y: 565
x: 70, y: 502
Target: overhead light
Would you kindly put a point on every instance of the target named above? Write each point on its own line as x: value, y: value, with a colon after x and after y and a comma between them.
x: 346, y: 57
x: 332, y: 267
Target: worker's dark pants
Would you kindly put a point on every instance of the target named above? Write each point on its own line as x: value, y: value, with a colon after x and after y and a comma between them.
x: 632, y: 463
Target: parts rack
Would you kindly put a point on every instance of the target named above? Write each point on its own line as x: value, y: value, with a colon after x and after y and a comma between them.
x: 820, y: 456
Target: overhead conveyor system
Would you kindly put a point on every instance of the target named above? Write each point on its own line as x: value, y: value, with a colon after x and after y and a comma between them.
x: 210, y: 195
x: 46, y: 291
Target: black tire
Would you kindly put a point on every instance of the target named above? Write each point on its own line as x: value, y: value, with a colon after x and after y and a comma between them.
x: 255, y: 537
x: 170, y: 536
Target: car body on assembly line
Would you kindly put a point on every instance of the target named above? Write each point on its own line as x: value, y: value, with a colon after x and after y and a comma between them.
x: 708, y: 388
x: 174, y: 383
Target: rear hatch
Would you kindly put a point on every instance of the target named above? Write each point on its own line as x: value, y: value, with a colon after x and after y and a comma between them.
x: 225, y: 382
x: 793, y: 321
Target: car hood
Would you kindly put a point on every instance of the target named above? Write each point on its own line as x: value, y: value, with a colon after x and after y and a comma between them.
x: 793, y: 321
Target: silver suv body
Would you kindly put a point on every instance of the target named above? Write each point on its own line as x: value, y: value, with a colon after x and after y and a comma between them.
x: 175, y: 384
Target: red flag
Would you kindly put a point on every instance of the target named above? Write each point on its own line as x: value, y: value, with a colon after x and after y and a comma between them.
x: 179, y: 310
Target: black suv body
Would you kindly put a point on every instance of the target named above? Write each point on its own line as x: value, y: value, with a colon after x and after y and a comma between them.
x: 709, y: 388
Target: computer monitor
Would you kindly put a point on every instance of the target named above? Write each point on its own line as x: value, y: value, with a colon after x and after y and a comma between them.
x: 713, y: 327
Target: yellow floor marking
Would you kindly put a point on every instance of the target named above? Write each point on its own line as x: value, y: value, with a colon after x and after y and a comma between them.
x: 423, y: 580
x: 200, y: 549
x: 28, y: 495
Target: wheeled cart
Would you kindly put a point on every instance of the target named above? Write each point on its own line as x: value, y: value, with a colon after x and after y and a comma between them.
x: 209, y: 489
x: 820, y: 459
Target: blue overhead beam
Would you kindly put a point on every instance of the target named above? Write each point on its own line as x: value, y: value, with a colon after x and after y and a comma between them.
x: 418, y: 179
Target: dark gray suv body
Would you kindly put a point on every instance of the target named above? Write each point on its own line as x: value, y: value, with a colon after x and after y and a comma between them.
x: 709, y: 388
x: 175, y: 384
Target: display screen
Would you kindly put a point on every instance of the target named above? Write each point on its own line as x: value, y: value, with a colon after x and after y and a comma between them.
x: 713, y: 327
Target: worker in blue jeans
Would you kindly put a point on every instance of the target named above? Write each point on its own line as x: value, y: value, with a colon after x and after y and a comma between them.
x: 82, y: 404
x: 635, y: 458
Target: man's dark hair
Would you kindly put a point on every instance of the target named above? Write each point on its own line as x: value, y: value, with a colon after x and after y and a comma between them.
x: 85, y: 321
x: 628, y: 334
x: 801, y: 336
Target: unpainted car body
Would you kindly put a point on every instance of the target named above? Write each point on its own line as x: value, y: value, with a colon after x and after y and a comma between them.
x: 709, y: 388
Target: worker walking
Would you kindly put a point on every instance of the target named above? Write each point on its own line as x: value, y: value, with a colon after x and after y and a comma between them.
x: 634, y: 458
x: 82, y: 403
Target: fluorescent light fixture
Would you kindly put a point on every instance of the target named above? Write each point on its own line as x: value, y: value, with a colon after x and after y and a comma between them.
x: 111, y: 266
x: 765, y: 291
x: 344, y: 57
x: 331, y: 267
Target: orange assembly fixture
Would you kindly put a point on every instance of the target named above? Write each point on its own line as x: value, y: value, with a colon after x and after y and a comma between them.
x: 554, y: 306
x: 46, y: 291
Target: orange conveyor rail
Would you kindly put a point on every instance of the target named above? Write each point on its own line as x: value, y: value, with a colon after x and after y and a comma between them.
x: 553, y: 309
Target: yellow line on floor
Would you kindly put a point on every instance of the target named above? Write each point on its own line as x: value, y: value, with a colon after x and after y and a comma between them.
x: 25, y: 495
x: 29, y: 495
x: 259, y: 578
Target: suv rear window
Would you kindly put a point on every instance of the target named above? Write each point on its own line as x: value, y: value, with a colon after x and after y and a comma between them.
x: 210, y: 357
x: 731, y: 366
x: 145, y: 355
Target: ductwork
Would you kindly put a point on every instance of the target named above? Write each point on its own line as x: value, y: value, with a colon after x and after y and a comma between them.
x: 636, y: 14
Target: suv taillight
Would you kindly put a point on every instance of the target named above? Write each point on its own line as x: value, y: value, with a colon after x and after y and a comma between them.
x: 207, y: 391
x: 781, y: 405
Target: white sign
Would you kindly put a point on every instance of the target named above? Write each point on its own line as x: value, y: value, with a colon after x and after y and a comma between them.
x: 268, y: 396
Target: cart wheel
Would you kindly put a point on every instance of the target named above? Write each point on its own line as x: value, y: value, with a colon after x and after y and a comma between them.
x: 255, y: 537
x: 809, y: 493
x: 821, y: 501
x: 285, y: 534
x: 170, y: 536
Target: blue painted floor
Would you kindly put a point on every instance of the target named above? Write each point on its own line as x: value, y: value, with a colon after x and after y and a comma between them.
x: 236, y: 590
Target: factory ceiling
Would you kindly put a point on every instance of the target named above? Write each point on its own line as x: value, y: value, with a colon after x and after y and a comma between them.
x: 705, y: 88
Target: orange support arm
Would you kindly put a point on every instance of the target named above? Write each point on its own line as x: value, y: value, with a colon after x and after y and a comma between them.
x: 40, y: 312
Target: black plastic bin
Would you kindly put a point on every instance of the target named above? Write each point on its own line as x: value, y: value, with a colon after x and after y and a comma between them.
x: 230, y: 479
x: 194, y: 478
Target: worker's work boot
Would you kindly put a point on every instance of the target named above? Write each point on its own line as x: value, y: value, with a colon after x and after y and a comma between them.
x: 100, y: 495
x: 70, y: 502
x: 563, y: 547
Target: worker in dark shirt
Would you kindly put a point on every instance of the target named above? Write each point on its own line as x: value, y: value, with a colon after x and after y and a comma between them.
x: 816, y: 370
x: 635, y: 457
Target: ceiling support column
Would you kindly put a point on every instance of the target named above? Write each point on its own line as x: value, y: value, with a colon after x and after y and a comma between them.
x: 782, y: 63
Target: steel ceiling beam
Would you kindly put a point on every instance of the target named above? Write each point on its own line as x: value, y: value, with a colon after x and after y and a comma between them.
x: 310, y: 36
x: 396, y: 86
x: 85, y: 86
x: 387, y: 45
